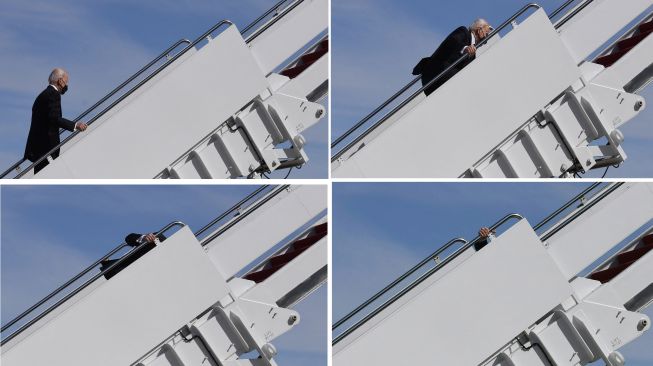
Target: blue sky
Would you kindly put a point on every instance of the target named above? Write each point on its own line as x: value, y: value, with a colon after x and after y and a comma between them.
x: 101, y: 43
x: 381, y: 230
x: 376, y: 44
x: 50, y: 233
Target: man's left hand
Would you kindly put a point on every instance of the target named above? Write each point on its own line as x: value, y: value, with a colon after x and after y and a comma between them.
x: 150, y: 238
x: 470, y: 50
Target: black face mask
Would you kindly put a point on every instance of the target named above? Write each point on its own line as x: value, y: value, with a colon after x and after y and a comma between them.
x: 64, y: 89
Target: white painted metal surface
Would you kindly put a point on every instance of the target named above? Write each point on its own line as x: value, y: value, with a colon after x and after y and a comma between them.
x: 611, y: 221
x: 427, y: 141
x: 188, y: 103
x: 189, y: 120
x: 523, y: 130
x: 149, y: 314
x: 266, y: 227
x: 475, y: 301
x: 290, y: 34
x: 587, y: 320
x: 101, y: 326
x: 611, y: 15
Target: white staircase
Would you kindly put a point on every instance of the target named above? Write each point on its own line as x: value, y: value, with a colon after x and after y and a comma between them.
x: 220, y: 108
x: 525, y: 299
x: 193, y: 299
x: 541, y: 108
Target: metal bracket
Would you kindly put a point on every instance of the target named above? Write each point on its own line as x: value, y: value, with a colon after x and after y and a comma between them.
x: 257, y: 324
x: 278, y: 120
x: 593, y: 112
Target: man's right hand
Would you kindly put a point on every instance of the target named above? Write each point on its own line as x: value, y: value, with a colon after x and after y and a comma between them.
x: 150, y: 238
x: 470, y: 50
x: 81, y: 126
x: 484, y: 232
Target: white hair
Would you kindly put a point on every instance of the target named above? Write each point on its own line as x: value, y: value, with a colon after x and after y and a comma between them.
x: 478, y: 24
x: 56, y: 74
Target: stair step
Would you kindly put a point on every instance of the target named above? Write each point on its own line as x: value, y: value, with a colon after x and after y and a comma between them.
x: 608, y: 274
x: 322, y: 229
x: 296, y: 248
x: 609, y: 60
x: 324, y: 45
x: 633, y: 255
x: 633, y: 41
x: 310, y: 58
x: 262, y: 275
x: 307, y: 241
x: 286, y: 257
x: 645, y: 27
x: 307, y: 60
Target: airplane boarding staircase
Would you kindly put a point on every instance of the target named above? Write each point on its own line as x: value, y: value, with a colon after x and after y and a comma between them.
x: 229, y: 104
x: 547, y: 101
x: 533, y: 296
x: 195, y: 299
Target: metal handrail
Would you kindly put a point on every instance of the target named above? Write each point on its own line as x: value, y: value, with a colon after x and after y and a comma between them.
x: 398, y: 280
x: 264, y: 15
x: 62, y: 287
x: 580, y: 211
x: 131, y: 91
x: 243, y: 215
x: 572, y: 14
x: 422, y: 278
x: 569, y: 203
x: 199, y: 39
x: 78, y: 289
x: 165, y: 53
x: 628, y: 33
x: 561, y: 8
x: 275, y: 19
x: 228, y: 212
x: 415, y: 80
x: 415, y: 94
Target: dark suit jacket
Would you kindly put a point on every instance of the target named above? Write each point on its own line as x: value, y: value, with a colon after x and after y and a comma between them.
x: 46, y: 121
x: 480, y: 244
x: 446, y: 54
x: 139, y: 251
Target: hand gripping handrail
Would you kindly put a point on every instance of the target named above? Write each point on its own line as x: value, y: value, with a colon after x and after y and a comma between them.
x: 170, y: 60
x: 131, y: 91
x: 415, y: 94
x: 421, y: 279
x: 398, y: 280
x: 78, y: 289
x: 163, y: 54
x: 415, y: 80
x: 235, y: 207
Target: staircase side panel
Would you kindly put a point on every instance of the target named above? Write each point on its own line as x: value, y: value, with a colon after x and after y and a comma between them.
x: 131, y: 313
x: 166, y: 120
x: 475, y: 110
x: 471, y: 312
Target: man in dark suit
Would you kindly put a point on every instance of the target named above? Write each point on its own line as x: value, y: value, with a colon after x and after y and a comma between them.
x: 461, y: 41
x: 486, y: 236
x: 47, y: 119
x: 142, y: 243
